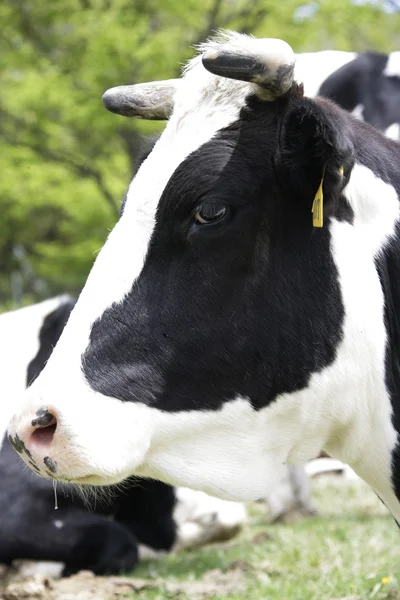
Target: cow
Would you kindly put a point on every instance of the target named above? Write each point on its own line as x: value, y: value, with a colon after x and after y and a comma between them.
x: 149, y: 518
x: 242, y: 314
x: 366, y: 84
x: 369, y: 86
x: 313, y: 68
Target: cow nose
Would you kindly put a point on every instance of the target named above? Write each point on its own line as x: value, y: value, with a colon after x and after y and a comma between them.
x: 44, y: 427
x: 32, y: 434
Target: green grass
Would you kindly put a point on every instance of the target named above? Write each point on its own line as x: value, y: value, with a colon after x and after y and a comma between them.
x: 348, y: 552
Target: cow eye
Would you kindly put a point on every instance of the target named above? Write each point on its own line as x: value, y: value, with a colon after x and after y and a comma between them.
x: 209, y: 213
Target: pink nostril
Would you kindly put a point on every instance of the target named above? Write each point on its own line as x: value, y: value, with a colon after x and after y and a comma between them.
x: 43, y: 436
x: 45, y: 426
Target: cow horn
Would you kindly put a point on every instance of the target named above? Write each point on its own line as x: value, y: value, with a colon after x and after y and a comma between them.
x: 268, y: 63
x: 152, y: 101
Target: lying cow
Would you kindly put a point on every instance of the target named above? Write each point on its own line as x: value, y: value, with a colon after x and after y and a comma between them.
x: 144, y: 512
x: 242, y: 313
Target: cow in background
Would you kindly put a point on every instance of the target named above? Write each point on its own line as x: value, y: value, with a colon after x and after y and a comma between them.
x: 369, y: 86
x: 366, y: 84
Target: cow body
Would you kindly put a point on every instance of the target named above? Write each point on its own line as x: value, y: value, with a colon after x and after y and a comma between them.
x: 220, y: 335
x: 313, y: 68
x: 368, y: 85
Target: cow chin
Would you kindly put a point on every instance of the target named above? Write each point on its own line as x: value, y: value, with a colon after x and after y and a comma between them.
x: 231, y: 477
x: 233, y: 453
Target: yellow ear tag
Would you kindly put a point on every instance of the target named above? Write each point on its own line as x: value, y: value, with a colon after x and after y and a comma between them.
x: 318, y: 206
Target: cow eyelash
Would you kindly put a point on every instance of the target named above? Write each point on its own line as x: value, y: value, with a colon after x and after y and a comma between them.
x: 209, y: 212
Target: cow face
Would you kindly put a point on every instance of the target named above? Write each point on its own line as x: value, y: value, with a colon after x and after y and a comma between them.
x: 208, y: 345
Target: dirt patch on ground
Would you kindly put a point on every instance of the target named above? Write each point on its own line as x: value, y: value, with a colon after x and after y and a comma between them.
x: 86, y: 586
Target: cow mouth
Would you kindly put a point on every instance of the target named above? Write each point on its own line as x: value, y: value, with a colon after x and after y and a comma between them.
x: 89, y: 480
x: 84, y: 480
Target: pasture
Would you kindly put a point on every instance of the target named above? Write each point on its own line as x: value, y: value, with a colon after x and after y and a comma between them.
x: 350, y: 551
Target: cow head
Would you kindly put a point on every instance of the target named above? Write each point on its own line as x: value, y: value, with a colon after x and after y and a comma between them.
x: 205, y: 348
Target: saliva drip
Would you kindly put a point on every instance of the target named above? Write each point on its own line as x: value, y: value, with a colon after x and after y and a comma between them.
x: 55, y: 494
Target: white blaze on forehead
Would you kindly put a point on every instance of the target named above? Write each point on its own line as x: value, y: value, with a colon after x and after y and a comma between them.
x: 203, y: 105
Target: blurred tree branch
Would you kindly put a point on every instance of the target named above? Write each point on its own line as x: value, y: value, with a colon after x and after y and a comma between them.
x: 53, y: 155
x: 251, y: 18
x: 212, y: 20
x: 28, y: 29
x: 57, y: 58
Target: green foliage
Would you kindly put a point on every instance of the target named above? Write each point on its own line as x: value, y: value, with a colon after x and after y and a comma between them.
x: 65, y: 161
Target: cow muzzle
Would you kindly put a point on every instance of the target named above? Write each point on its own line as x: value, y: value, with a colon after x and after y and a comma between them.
x: 38, y: 436
x: 82, y: 442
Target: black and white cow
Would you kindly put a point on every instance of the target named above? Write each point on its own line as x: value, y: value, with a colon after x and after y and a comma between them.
x: 369, y: 86
x: 313, y: 68
x: 225, y: 331
x: 366, y: 84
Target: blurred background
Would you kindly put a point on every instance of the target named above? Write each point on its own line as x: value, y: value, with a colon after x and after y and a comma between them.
x: 65, y: 161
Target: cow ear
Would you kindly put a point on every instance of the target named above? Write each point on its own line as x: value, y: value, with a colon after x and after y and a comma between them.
x: 315, y: 156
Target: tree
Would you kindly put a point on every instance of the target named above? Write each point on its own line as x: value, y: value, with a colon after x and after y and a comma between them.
x: 65, y: 161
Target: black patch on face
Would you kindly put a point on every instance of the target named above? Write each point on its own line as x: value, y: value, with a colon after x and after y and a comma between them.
x: 248, y: 307
x: 50, y: 464
x: 34, y: 466
x: 49, y: 334
x: 19, y: 446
